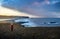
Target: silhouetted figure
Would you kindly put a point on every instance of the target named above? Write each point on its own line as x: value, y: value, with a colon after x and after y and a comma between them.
x: 11, y: 27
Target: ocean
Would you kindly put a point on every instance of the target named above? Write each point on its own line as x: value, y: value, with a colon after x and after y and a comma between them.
x: 43, y: 22
x: 37, y: 22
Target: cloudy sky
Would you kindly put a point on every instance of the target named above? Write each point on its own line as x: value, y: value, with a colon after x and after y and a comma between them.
x: 41, y: 8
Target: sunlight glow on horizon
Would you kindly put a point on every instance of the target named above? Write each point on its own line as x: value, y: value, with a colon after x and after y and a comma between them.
x: 9, y: 12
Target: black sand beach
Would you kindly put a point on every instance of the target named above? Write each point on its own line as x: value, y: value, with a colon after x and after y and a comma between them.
x: 20, y: 32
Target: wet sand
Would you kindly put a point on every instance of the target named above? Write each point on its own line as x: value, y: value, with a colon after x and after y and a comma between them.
x: 20, y: 32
